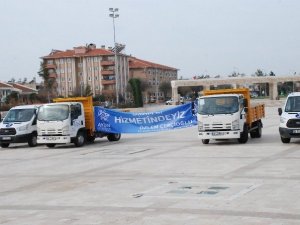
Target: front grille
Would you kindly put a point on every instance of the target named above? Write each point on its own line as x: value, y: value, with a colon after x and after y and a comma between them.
x: 50, y: 132
x: 8, y: 131
x: 293, y: 123
x: 217, y: 126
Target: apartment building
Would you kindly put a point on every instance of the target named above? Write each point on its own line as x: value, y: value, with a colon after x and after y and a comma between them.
x: 87, y: 65
x: 153, y: 74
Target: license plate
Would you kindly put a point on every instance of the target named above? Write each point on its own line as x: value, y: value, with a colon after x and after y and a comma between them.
x: 217, y: 133
x: 6, y: 138
x: 296, y: 131
x: 50, y: 138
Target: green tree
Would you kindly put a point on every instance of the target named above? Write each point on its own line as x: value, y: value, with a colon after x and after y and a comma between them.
x: 165, y: 88
x: 136, y: 91
x: 272, y: 74
x: 49, y: 82
x: 259, y: 73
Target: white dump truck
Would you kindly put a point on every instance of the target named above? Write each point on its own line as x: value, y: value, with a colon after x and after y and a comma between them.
x: 69, y: 120
x: 289, y: 126
x: 19, y: 126
x: 227, y: 114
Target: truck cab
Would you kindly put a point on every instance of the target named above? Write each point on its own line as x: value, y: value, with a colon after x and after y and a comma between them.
x: 220, y: 117
x: 19, y: 126
x: 227, y: 114
x: 289, y: 126
x: 61, y: 123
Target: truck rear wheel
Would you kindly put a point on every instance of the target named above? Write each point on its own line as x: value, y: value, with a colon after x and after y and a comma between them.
x: 205, y: 141
x: 257, y: 132
x: 113, y: 137
x: 285, y: 140
x: 32, y: 142
x: 80, y: 139
x: 4, y: 145
x: 244, y: 135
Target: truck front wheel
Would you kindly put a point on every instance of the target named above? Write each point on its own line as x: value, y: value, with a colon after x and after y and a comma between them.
x: 285, y: 140
x: 80, y: 139
x: 4, y: 145
x: 205, y: 141
x: 244, y: 135
x: 113, y: 137
x: 50, y: 145
x: 32, y: 142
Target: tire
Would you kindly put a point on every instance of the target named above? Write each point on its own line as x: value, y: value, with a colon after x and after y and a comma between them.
x: 80, y: 139
x: 205, y: 141
x: 90, y: 139
x: 244, y: 135
x: 285, y: 140
x: 257, y: 132
x: 4, y: 145
x: 32, y: 142
x: 113, y: 137
x: 50, y: 145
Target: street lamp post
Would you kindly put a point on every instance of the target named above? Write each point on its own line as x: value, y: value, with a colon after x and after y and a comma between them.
x: 114, y: 15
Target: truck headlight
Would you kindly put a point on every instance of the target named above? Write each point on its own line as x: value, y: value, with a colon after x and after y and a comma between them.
x: 200, y: 126
x: 282, y: 120
x: 23, y: 128
x: 235, y: 125
x: 65, y: 130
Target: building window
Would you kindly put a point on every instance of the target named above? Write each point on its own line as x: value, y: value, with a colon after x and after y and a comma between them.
x: 90, y: 78
x: 62, y: 71
x: 96, y: 68
x: 97, y: 87
x: 61, y: 61
x: 70, y: 70
x: 70, y: 88
x: 79, y: 65
x: 90, y: 69
x: 50, y: 62
x: 69, y: 79
x: 68, y: 60
x: 95, y: 59
x: 62, y: 79
x: 96, y: 77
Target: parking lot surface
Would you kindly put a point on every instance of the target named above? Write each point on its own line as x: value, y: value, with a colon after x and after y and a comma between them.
x: 156, y: 178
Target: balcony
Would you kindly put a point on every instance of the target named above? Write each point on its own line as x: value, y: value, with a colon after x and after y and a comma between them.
x: 107, y: 63
x: 105, y: 82
x: 50, y: 66
x: 107, y: 72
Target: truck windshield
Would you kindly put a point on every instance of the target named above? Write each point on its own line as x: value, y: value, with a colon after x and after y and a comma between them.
x: 19, y: 115
x: 293, y: 104
x: 53, y: 112
x: 218, y: 105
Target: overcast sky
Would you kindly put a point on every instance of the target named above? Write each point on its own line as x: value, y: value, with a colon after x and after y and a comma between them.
x: 214, y: 37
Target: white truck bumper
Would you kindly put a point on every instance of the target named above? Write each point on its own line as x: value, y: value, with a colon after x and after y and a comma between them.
x: 219, y: 134
x: 53, y: 139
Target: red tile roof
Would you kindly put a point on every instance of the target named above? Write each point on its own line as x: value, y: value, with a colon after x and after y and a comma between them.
x: 71, y: 53
x: 135, y: 63
x: 23, y: 88
x: 4, y: 85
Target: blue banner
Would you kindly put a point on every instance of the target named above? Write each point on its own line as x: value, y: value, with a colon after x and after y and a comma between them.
x: 113, y: 121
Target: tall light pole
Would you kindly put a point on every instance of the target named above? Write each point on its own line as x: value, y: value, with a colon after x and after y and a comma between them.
x: 114, y: 15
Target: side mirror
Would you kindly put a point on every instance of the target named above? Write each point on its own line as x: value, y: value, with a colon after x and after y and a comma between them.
x: 245, y: 103
x: 246, y: 109
x: 279, y: 111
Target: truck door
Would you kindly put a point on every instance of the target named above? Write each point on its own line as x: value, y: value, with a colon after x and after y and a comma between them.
x: 77, y: 120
